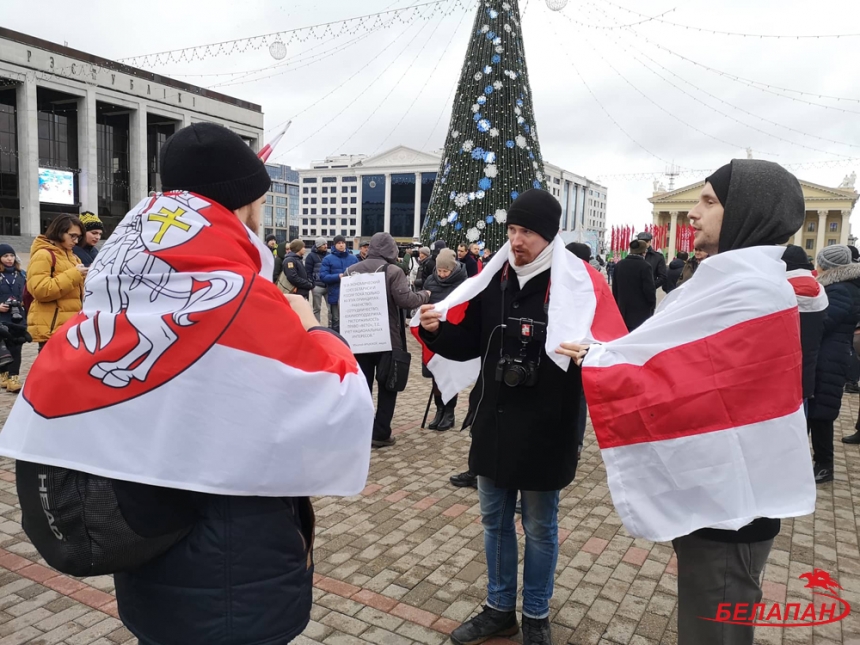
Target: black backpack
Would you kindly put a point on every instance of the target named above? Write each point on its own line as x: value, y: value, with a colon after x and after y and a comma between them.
x: 86, y: 525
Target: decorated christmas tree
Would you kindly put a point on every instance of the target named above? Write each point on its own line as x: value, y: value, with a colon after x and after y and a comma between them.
x: 491, y: 152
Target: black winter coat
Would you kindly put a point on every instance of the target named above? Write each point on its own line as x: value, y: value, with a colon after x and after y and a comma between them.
x: 87, y: 255
x: 243, y: 576
x: 471, y: 264
x: 522, y: 437
x: 658, y: 267
x: 421, y: 273
x: 294, y: 268
x: 672, y: 275
x: 12, y: 286
x: 633, y: 289
x: 439, y: 288
x: 313, y: 264
x: 842, y: 286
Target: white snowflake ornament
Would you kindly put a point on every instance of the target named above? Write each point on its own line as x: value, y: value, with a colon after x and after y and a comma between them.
x: 498, y: 85
x: 485, y: 29
x: 468, y: 144
x: 461, y: 200
x: 521, y: 141
x: 491, y: 171
x: 479, y: 76
x: 480, y: 224
x: 494, y: 132
x: 501, y: 216
x: 476, y: 108
x: 473, y: 234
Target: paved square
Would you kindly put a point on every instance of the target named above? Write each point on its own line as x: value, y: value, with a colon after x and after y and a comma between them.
x: 403, y: 561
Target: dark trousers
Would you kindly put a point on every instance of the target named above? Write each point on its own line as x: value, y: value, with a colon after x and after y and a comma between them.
x: 710, y: 573
x: 385, y: 400
x: 14, y: 368
x: 582, y: 420
x: 822, y: 441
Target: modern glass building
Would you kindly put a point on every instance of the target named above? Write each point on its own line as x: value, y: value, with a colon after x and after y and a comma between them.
x: 281, y: 212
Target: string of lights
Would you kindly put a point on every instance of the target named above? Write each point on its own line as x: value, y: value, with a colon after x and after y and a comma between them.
x: 720, y: 112
x: 735, y: 146
x: 348, y: 104
x: 391, y: 91
x: 702, y: 173
x: 732, y: 33
x: 424, y: 85
x: 352, y: 26
x: 603, y: 107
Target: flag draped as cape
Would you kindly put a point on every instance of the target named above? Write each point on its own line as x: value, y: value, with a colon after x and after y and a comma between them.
x: 699, y: 412
x: 188, y: 369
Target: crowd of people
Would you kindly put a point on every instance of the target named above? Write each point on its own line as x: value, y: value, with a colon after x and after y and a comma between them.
x: 527, y: 415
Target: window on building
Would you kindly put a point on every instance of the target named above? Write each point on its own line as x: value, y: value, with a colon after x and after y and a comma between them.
x: 344, y: 189
x: 281, y: 217
x: 313, y: 212
x: 305, y: 221
x: 343, y: 231
x: 831, y: 242
x: 353, y: 200
x: 313, y: 200
x: 349, y: 180
x: 373, y: 204
x: 810, y: 244
x: 304, y: 200
x: 304, y: 232
x: 313, y: 220
x: 344, y: 200
x: 810, y: 227
x: 324, y: 212
x: 281, y: 201
x: 329, y: 180
x: 269, y: 199
x: 305, y: 190
x: 352, y: 211
x: 353, y: 189
x: 267, y: 216
x: 352, y: 221
x: 304, y: 211
x: 834, y: 227
x: 309, y: 180
x: 325, y: 200
x: 352, y: 233
x: 278, y: 187
x: 325, y: 189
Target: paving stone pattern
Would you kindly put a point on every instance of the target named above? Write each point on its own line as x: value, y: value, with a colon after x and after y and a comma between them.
x: 403, y: 561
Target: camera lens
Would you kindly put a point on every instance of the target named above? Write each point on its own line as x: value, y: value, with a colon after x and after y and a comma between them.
x: 515, y: 375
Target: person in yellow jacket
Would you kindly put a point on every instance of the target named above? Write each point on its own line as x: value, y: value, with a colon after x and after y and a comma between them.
x: 55, y: 278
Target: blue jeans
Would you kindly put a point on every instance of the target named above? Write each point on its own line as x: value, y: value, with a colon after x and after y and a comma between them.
x: 540, y: 522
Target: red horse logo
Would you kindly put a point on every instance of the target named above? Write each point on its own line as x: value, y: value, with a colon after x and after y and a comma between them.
x: 820, y: 579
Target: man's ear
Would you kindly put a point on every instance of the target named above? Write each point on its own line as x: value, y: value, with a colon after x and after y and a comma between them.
x: 243, y: 213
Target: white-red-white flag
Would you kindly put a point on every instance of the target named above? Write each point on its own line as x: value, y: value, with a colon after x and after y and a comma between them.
x: 811, y: 296
x: 188, y: 369
x: 581, y: 309
x: 269, y: 148
x: 699, y: 412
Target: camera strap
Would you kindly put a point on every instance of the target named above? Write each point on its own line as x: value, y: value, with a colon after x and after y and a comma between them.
x: 504, y: 286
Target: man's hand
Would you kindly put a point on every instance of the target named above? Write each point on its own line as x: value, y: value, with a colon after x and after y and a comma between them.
x: 303, y: 310
x: 430, y: 318
x: 574, y: 350
x: 4, y: 308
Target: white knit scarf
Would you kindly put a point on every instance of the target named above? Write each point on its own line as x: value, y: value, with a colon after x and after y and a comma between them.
x: 540, y: 264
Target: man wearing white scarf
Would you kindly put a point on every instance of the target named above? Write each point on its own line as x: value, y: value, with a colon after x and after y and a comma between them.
x: 524, y: 432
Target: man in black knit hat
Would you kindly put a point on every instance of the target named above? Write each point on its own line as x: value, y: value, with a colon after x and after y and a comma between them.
x: 524, y: 433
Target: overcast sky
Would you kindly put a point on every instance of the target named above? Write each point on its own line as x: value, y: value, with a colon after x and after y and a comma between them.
x: 418, y: 64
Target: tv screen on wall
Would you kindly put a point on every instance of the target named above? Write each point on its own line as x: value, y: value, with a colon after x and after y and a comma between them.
x: 56, y: 186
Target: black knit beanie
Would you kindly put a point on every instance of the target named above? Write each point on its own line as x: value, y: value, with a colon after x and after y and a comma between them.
x: 796, y: 258
x: 720, y: 181
x: 537, y: 211
x: 215, y: 163
x: 580, y: 250
x: 5, y: 249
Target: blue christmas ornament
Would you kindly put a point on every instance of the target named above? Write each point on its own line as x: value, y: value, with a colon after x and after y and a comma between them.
x: 491, y: 35
x: 485, y: 183
x: 458, y: 226
x: 490, y: 157
x: 493, y: 13
x: 452, y: 216
x: 488, y: 69
x: 477, y: 154
x: 536, y: 183
x: 496, y: 58
x: 496, y: 41
x: 477, y: 117
x: 453, y: 194
x: 514, y: 194
x: 488, y: 90
x: 482, y: 100
x: 510, y: 144
x: 531, y: 155
x: 483, y: 125
x: 489, y: 219
x: 480, y: 194
x: 471, y: 197
x: 519, y: 102
x: 527, y: 128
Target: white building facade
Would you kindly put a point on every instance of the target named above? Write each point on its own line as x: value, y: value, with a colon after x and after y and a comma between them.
x: 358, y: 195
x: 79, y: 132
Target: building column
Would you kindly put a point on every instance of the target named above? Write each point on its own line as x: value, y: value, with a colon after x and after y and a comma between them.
x: 821, y: 232
x: 88, y: 159
x: 655, y: 217
x: 386, y: 222
x: 673, y: 234
x: 417, y: 227
x: 360, y: 184
x: 846, y: 227
x: 28, y: 158
x: 137, y: 165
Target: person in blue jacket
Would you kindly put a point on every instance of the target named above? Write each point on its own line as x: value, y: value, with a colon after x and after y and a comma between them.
x: 334, y: 265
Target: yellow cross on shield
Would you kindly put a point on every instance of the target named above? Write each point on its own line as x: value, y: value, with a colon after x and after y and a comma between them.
x: 167, y: 218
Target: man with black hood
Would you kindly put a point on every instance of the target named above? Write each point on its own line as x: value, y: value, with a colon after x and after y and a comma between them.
x: 744, y: 204
x: 633, y: 287
x: 655, y: 260
x: 524, y: 435
x: 382, y: 256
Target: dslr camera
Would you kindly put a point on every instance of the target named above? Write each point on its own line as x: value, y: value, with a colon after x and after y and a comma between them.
x: 16, y: 309
x: 521, y: 370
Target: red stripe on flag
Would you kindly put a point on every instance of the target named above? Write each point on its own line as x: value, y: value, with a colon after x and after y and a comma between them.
x: 805, y: 286
x: 608, y: 323
x: 746, y: 374
x: 455, y: 317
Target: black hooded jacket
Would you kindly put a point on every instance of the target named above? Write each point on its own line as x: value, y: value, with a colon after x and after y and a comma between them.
x: 764, y: 206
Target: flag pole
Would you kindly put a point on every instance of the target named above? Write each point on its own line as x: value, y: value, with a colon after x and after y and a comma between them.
x: 267, y: 150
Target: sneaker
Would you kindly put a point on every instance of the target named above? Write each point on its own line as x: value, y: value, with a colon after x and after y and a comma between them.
x: 383, y: 443
x: 465, y: 480
x: 485, y: 625
x: 536, y: 631
x: 823, y: 474
x: 852, y: 388
x: 852, y: 438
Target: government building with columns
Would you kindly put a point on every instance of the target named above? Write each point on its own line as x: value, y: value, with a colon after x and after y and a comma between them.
x: 359, y: 195
x: 828, y: 211
x: 83, y: 133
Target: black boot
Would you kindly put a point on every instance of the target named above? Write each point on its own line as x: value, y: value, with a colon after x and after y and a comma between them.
x: 485, y: 625
x: 440, y: 412
x: 448, y: 417
x: 465, y: 480
x: 852, y: 438
x: 823, y: 474
x: 536, y: 631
